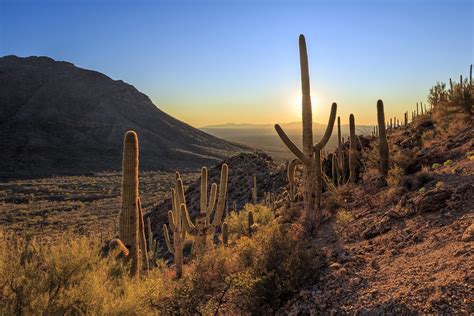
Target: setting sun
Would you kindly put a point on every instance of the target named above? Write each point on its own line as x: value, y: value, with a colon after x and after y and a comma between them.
x: 296, y: 103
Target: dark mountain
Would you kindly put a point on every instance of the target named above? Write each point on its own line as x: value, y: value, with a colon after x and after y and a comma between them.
x: 56, y: 118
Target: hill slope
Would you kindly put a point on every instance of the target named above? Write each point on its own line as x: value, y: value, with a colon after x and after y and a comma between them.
x: 56, y: 118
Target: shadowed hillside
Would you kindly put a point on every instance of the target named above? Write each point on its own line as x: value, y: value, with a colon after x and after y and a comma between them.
x: 56, y: 118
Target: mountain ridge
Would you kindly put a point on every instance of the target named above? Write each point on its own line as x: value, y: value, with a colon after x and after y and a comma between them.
x: 56, y: 118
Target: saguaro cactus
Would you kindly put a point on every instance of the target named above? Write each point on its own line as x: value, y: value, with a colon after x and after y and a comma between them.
x: 311, y: 154
x: 250, y: 222
x: 470, y: 76
x: 225, y: 234
x: 353, y: 152
x: 406, y: 118
x: 203, y: 225
x: 141, y: 231
x: 383, y: 143
x: 291, y: 174
x: 129, y: 215
x: 176, y: 225
x: 340, y: 153
x: 254, y: 190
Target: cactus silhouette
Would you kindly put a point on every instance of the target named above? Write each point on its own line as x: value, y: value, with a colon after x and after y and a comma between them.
x: 225, y: 234
x: 353, y: 152
x: 383, y: 143
x: 176, y: 226
x: 340, y: 153
x: 203, y: 225
x: 129, y: 222
x: 311, y: 154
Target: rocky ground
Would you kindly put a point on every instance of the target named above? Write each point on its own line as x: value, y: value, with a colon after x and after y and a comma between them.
x: 406, y: 248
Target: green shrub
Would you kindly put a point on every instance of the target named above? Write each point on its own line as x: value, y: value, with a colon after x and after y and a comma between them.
x: 435, y: 166
x: 448, y: 162
x: 238, y: 221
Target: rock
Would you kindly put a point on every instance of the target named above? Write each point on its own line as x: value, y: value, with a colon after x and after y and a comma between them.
x: 432, y: 200
x: 468, y: 234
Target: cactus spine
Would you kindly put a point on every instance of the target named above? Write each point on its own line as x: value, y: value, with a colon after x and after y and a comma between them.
x: 176, y: 226
x: 129, y: 215
x: 311, y: 155
x: 383, y: 143
x: 203, y: 225
x: 353, y: 153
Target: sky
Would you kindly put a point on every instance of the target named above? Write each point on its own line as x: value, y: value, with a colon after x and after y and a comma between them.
x: 215, y: 62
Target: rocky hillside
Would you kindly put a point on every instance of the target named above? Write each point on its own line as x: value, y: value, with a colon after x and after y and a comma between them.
x: 405, y: 248
x: 56, y: 118
x: 271, y: 177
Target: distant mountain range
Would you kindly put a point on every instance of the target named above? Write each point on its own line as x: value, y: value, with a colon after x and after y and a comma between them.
x: 293, y: 128
x: 56, y: 118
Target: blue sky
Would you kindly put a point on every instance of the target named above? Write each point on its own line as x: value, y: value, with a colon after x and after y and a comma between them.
x: 209, y: 62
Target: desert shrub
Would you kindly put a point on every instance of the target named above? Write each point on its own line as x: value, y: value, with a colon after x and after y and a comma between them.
x: 395, y: 175
x: 238, y: 221
x: 448, y: 162
x: 344, y: 217
x: 251, y: 276
x: 281, y: 263
x: 406, y: 160
x: 66, y: 277
x: 435, y: 165
x: 416, y: 181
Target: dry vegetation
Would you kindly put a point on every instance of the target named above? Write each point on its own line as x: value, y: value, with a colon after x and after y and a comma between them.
x: 83, y: 205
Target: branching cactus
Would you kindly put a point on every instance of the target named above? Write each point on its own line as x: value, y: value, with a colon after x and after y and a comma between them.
x: 353, y: 152
x: 176, y: 226
x: 203, y: 225
x: 383, y: 143
x: 311, y: 154
x: 129, y: 218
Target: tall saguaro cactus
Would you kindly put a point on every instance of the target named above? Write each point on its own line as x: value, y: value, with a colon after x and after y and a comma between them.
x: 176, y: 225
x: 311, y: 154
x: 340, y: 153
x: 353, y: 153
x: 383, y: 143
x: 203, y: 225
x: 129, y: 222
